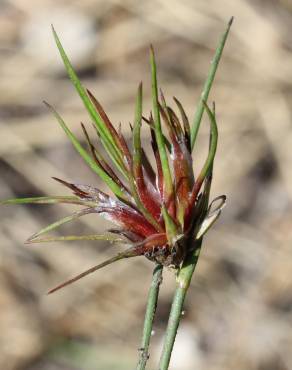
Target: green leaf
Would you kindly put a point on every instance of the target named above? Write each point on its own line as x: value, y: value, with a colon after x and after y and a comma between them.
x: 104, y: 237
x: 206, y: 171
x: 208, y: 84
x: 137, y: 150
x: 101, y: 162
x: 158, y: 131
x: 47, y: 200
x: 63, y: 221
x: 118, y: 138
x: 87, y: 158
x: 170, y: 226
x: 213, y: 144
x: 126, y: 254
x: 106, y: 137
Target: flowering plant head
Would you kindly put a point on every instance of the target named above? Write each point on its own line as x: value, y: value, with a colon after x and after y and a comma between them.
x: 158, y: 211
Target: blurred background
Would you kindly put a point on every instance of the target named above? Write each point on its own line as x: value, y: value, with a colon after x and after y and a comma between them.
x: 238, y: 313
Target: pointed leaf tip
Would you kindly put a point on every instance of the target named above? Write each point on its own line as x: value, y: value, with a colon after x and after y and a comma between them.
x: 87, y: 158
x: 103, y: 237
x: 159, y: 137
x: 126, y: 254
x: 208, y: 84
x: 104, y: 132
x: 44, y: 200
x: 47, y: 104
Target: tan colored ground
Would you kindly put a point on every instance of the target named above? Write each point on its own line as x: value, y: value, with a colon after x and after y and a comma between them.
x: 239, y: 309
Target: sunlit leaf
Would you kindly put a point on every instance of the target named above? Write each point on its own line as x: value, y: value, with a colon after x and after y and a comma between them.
x: 167, y: 179
x: 46, y: 200
x: 137, y: 250
x: 208, y: 84
x: 101, y: 162
x: 120, y: 145
x: 104, y: 237
x: 61, y: 222
x: 211, y: 155
x: 104, y: 132
x: 126, y: 254
x: 97, y: 169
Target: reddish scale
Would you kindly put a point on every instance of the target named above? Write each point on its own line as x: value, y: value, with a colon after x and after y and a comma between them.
x: 145, y: 196
x: 181, y: 168
x: 121, y: 143
x: 132, y: 221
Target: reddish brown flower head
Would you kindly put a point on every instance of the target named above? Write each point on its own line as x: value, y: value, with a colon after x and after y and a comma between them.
x: 157, y: 210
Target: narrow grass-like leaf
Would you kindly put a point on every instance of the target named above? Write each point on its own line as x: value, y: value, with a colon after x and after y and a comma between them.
x: 208, y: 165
x: 209, y: 175
x: 208, y: 84
x: 200, y: 211
x: 148, y: 201
x: 167, y: 179
x: 105, y: 134
x: 137, y: 250
x: 97, y: 169
x: 213, y: 144
x: 80, y: 89
x: 47, y: 200
x: 101, y: 162
x: 196, y: 213
x: 104, y: 237
x: 126, y: 254
x: 150, y: 122
x: 61, y: 222
x: 137, y: 150
x: 117, y: 211
x: 117, y: 137
x: 87, y: 192
x: 124, y: 146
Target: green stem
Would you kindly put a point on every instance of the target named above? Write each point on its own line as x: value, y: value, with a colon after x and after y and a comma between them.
x: 183, y: 282
x: 149, y: 316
